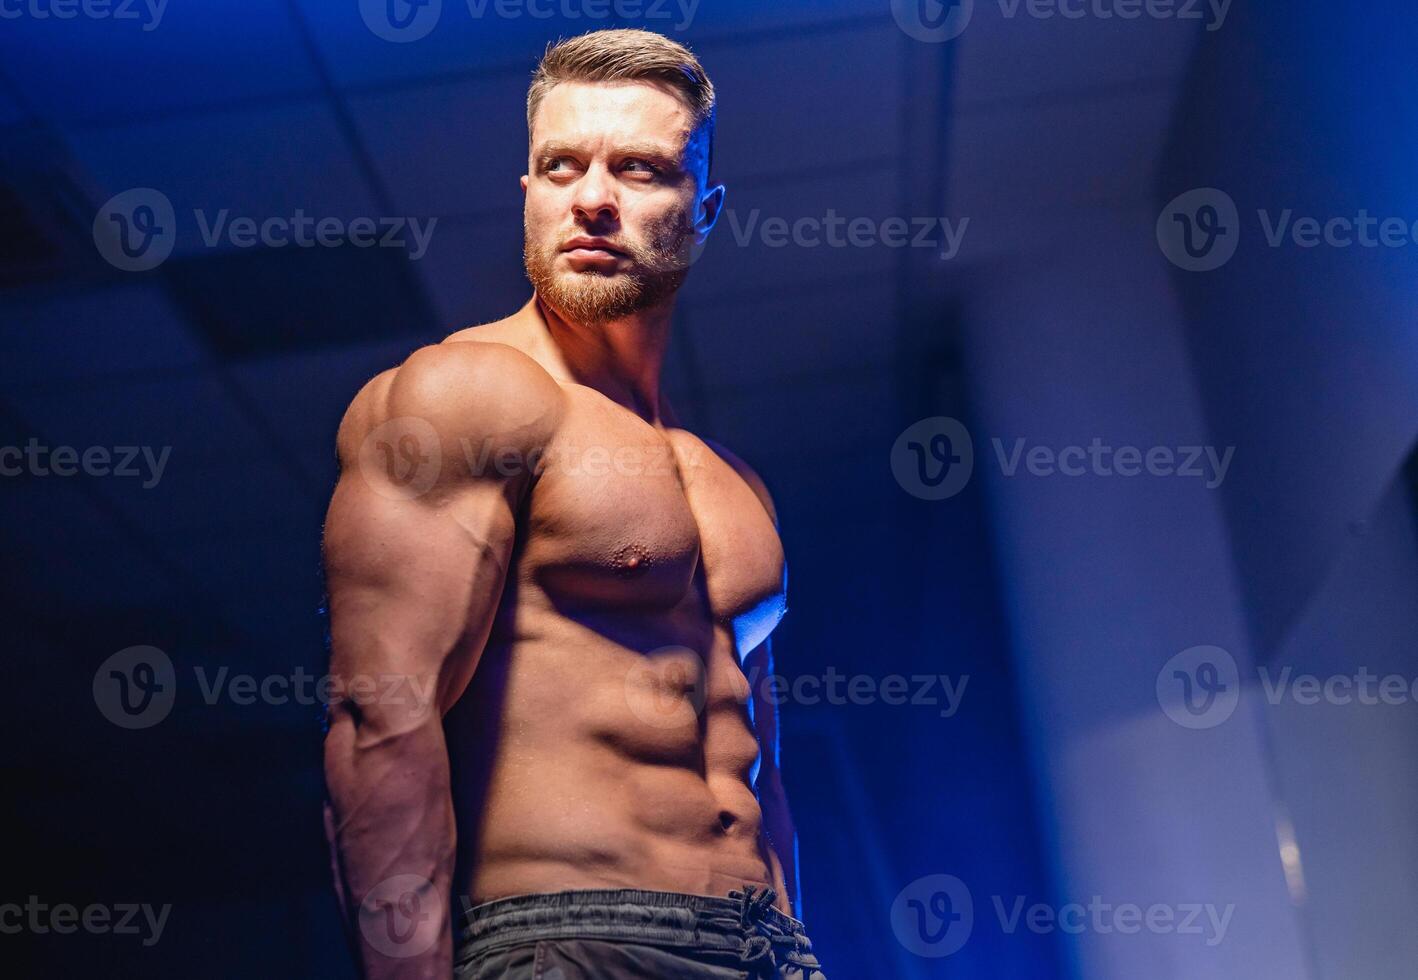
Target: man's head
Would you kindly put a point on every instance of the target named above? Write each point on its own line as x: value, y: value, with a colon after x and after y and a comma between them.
x: 620, y: 130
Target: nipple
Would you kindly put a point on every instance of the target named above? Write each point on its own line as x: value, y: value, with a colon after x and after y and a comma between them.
x: 631, y: 560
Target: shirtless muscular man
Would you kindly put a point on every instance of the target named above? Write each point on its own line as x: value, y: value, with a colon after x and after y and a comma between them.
x: 569, y: 776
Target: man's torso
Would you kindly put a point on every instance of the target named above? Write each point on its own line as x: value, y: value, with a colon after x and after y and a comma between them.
x: 605, y: 740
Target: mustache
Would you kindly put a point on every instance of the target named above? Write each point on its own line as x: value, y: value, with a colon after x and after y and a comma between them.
x: 632, y: 248
x: 659, y: 250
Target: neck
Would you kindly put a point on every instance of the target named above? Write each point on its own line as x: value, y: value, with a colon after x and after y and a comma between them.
x: 621, y: 358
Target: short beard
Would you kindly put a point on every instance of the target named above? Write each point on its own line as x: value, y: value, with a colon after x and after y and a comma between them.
x: 657, y: 271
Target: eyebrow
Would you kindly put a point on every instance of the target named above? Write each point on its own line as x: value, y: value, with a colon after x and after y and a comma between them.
x: 655, y: 151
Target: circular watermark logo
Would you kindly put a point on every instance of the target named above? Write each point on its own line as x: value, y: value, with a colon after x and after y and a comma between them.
x: 1199, y: 687
x: 135, y: 687
x: 665, y: 688
x: 401, y: 458
x: 933, y: 21
x: 933, y: 916
x: 136, y: 230
x: 400, y: 21
x: 933, y: 458
x: 402, y: 916
x: 1199, y: 230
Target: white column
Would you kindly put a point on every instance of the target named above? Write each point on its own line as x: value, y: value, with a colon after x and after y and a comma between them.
x: 1107, y: 577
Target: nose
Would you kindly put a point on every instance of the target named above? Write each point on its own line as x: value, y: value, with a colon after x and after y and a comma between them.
x: 595, y: 197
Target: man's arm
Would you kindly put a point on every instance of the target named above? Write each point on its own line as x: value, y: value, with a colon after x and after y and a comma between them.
x: 772, y: 799
x: 417, y: 542
x: 778, y: 830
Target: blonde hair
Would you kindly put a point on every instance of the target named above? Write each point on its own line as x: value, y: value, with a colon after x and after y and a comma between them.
x: 627, y: 55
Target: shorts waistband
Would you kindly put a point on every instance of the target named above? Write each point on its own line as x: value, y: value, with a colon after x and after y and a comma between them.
x: 668, y: 919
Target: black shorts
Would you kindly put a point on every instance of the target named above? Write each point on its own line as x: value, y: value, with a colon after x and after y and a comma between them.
x: 633, y: 935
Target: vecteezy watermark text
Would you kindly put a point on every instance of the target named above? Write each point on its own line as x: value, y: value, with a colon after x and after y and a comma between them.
x: 303, y: 688
x: 934, y: 916
x: 137, y: 687
x: 934, y: 458
x: 404, y: 458
x: 137, y: 230
x: 1201, y: 686
x: 125, y: 462
x: 833, y: 230
x: 304, y: 231
x: 1200, y: 230
x: 839, y: 689
x: 1212, y: 11
x: 1362, y: 687
x: 938, y: 21
x: 117, y: 10
x: 1098, y: 459
x: 64, y: 918
x: 1125, y: 918
x: 666, y: 688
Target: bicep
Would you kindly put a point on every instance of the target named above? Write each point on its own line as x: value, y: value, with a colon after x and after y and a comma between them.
x: 414, y: 582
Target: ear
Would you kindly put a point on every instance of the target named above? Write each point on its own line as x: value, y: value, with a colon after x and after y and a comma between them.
x: 524, y: 184
x: 710, y: 206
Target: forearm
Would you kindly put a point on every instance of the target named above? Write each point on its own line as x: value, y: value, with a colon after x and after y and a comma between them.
x: 781, y: 838
x: 393, y: 840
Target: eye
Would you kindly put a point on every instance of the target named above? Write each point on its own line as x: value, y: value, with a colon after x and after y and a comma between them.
x: 557, y: 165
x: 641, y: 167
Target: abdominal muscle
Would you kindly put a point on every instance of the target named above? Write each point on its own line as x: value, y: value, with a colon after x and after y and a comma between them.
x: 581, y: 763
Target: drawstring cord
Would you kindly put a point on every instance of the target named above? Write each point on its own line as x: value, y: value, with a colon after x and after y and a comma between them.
x: 753, y: 906
x: 757, y: 951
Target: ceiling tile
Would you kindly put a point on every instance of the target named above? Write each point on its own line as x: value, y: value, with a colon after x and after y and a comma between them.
x: 104, y: 574
x: 1082, y: 230
x: 60, y: 550
x: 450, y: 148
x: 10, y: 111
x: 714, y: 19
x: 753, y: 246
x: 192, y: 418
x: 859, y: 483
x: 1096, y: 154
x: 265, y: 302
x: 257, y: 164
x: 786, y: 106
x: 1001, y: 59
x: 447, y: 36
x: 53, y: 511
x: 58, y: 337
x: 836, y: 328
x: 249, y: 495
x: 473, y: 271
x: 246, y: 568
x: 304, y: 396
x: 482, y: 35
x: 806, y: 420
x: 85, y: 68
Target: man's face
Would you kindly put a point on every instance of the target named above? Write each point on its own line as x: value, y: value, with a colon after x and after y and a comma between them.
x: 614, y: 198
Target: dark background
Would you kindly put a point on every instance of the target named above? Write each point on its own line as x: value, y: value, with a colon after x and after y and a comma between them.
x: 808, y: 362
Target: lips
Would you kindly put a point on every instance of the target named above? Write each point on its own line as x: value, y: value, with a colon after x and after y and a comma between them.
x: 591, y: 248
